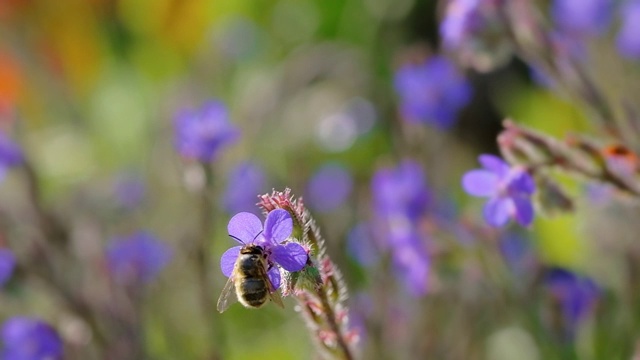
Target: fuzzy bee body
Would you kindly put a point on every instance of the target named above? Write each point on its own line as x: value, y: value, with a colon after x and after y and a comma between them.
x: 249, y: 281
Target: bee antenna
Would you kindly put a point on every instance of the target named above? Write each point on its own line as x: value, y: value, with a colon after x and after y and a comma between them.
x: 236, y: 239
x: 258, y: 234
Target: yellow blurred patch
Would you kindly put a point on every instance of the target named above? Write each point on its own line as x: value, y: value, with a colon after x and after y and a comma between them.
x: 558, y: 241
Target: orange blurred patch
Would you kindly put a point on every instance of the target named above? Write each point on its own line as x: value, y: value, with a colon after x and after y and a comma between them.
x: 11, y: 81
x: 622, y: 155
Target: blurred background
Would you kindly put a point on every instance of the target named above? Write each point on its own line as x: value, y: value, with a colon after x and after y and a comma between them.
x: 91, y: 90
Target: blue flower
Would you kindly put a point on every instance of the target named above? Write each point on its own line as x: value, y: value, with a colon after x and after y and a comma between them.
x: 401, y: 199
x: 628, y: 41
x: 582, y: 17
x: 247, y: 229
x: 431, y: 92
x: 244, y: 182
x: 7, y: 265
x: 200, y: 135
x: 10, y: 155
x: 27, y: 338
x: 509, y: 191
x: 576, y: 295
x: 137, y: 259
x: 329, y: 188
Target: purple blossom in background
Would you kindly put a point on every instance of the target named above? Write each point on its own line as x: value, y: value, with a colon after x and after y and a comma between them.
x: 10, y: 155
x: 518, y: 253
x: 463, y: 20
x: 201, y: 134
x: 509, y: 191
x: 129, y: 190
x: 138, y: 258
x: 432, y: 92
x: 401, y: 190
x: 26, y: 338
x: 576, y: 295
x: 628, y: 41
x: 245, y: 181
x: 401, y: 198
x: 7, y: 265
x: 329, y: 188
x: 582, y: 17
x: 361, y: 245
x: 246, y: 228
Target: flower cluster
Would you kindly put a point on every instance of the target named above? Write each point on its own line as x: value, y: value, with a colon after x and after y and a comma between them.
x: 26, y: 338
x: 576, y: 295
x: 10, y: 155
x: 247, y: 229
x: 329, y: 188
x: 201, y: 134
x: 244, y: 181
x: 137, y: 259
x: 509, y: 191
x: 432, y: 92
x: 401, y: 198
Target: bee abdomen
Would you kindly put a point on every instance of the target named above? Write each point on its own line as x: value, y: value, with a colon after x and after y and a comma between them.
x: 253, y: 292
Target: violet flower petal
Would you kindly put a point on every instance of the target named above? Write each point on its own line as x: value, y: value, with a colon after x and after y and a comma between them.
x: 497, y: 211
x: 278, y: 226
x: 522, y: 182
x: 494, y: 164
x: 274, y: 277
x: 480, y: 183
x: 524, y: 210
x: 228, y: 260
x: 244, y: 227
x: 291, y: 256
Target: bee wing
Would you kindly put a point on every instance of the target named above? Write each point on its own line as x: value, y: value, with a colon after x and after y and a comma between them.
x: 274, y: 295
x: 228, y: 295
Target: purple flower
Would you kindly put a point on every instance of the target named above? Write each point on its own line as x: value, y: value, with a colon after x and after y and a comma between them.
x: 361, y: 245
x: 582, y: 17
x: 245, y: 182
x: 431, y: 92
x: 576, y: 295
x: 27, y: 338
x: 402, y: 189
x: 509, y: 191
x: 138, y: 258
x: 628, y: 41
x: 7, y: 265
x: 246, y: 228
x: 329, y: 188
x: 401, y: 199
x: 201, y: 134
x: 10, y: 155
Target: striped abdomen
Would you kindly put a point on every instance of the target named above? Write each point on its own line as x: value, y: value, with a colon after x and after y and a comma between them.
x: 251, y: 287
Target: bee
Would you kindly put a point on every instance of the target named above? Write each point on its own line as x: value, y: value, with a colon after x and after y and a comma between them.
x: 249, y: 282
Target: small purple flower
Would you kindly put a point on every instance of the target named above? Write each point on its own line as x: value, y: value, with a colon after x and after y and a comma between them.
x: 247, y: 229
x: 401, y: 199
x: 201, y: 134
x: 27, y: 338
x: 137, y: 259
x: 402, y: 189
x: 576, y: 295
x: 7, y: 265
x: 628, y: 41
x: 509, y: 191
x: 582, y: 17
x: 431, y: 92
x: 10, y: 155
x: 329, y: 188
x: 245, y: 181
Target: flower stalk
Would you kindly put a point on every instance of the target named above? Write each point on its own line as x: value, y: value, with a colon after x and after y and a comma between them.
x: 318, y: 287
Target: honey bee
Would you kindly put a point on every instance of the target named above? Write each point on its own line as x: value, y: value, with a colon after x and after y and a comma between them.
x: 249, y: 282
